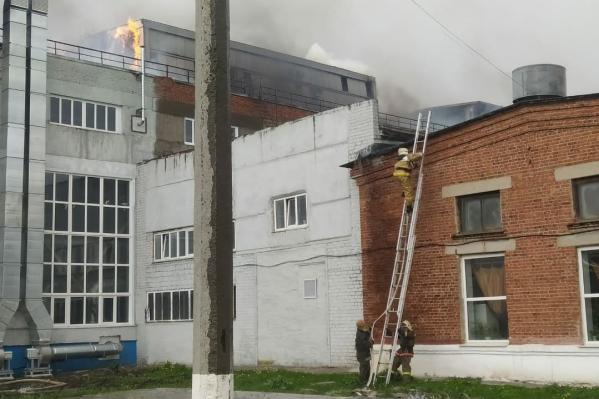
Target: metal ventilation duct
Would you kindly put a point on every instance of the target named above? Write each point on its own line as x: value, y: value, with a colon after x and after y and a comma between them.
x: 538, y: 81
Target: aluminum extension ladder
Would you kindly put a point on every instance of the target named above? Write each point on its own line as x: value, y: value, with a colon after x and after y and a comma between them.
x: 404, y: 254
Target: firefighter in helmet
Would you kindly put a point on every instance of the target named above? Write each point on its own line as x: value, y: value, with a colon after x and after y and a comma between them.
x: 405, y: 353
x: 403, y: 171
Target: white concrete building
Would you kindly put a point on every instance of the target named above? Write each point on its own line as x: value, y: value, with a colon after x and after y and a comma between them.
x: 297, y: 257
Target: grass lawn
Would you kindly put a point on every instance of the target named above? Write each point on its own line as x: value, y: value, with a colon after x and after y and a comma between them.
x: 336, y: 384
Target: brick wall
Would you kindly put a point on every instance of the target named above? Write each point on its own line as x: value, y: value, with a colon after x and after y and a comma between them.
x: 527, y: 142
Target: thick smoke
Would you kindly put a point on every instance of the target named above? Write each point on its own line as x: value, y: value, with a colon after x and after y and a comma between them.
x: 415, y: 62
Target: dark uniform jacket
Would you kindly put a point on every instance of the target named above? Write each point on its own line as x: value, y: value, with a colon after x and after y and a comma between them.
x: 363, y: 345
x: 406, y: 340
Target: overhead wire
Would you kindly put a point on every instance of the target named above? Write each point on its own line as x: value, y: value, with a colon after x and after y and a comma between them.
x: 457, y: 38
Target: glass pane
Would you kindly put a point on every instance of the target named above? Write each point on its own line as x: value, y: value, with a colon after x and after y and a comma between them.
x: 123, y: 221
x: 65, y: 116
x: 48, y: 215
x: 79, y: 189
x: 470, y: 215
x: 109, y: 191
x: 49, y: 189
x: 93, y: 190
x: 101, y: 117
x: 108, y: 279
x: 157, y: 252
x: 77, y: 113
x: 78, y: 222
x: 487, y: 320
x: 93, y: 219
x: 291, y: 219
x: 62, y: 188
x: 166, y: 306
x: 92, y: 281
x: 590, y: 271
x: 47, y: 248
x: 588, y: 199
x: 280, y: 214
x: 592, y: 316
x: 190, y: 242
x: 302, y: 215
x: 61, y: 249
x: 165, y: 246
x: 61, y: 217
x: 109, y: 220
x: 47, y: 279
x: 184, y: 305
x: 93, y: 250
x: 122, y: 310
x: 54, y: 109
x: 111, y: 119
x: 123, y: 193
x: 122, y: 254
x: 189, y: 131
x: 91, y: 310
x: 182, y: 239
x: 90, y: 115
x: 77, y: 249
x: 151, y: 307
x: 173, y: 245
x: 108, y: 250
x: 191, y: 304
x: 484, y: 277
x: 76, y: 310
x: 176, y: 306
x: 59, y: 310
x: 108, y: 311
x: 77, y: 276
x: 491, y: 213
x: 158, y: 307
x: 122, y: 279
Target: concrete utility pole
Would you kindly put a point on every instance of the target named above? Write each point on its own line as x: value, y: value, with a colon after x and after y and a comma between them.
x: 213, y: 247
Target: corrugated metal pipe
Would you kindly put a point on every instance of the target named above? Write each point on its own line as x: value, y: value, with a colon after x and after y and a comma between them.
x: 56, y: 353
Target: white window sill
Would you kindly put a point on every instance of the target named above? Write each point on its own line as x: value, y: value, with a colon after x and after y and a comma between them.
x: 486, y: 344
x: 304, y: 226
x: 168, y: 321
x: 173, y: 259
x: 591, y: 345
x: 92, y: 326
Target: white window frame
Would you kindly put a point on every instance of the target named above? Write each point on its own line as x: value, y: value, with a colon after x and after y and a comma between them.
x: 101, y: 235
x: 465, y: 298
x: 118, y: 112
x: 576, y: 183
x: 584, y: 296
x: 315, y: 296
x: 171, y: 292
x: 235, y: 131
x: 193, y: 131
x: 287, y: 226
x: 167, y: 234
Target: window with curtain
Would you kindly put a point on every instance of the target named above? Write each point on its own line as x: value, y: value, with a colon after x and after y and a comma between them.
x: 480, y: 213
x: 586, y: 198
x: 589, y: 259
x: 484, y: 298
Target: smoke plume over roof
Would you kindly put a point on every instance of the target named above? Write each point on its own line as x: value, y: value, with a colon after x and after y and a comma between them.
x: 416, y: 63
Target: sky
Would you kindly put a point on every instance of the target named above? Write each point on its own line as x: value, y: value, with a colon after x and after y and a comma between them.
x: 417, y: 64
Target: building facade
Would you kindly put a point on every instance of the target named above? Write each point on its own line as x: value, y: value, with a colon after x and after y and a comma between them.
x: 504, y: 281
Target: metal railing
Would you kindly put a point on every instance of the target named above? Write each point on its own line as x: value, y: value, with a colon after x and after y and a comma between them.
x: 387, y: 121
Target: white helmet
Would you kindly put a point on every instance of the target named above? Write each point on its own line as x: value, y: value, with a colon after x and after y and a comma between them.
x: 402, y: 152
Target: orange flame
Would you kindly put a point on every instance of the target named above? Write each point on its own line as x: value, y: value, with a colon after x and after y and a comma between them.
x: 130, y: 36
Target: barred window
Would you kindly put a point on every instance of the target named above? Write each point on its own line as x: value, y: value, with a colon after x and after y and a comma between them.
x: 87, y: 242
x: 170, y: 306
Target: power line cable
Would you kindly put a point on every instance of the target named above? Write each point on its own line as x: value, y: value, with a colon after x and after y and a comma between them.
x: 463, y: 42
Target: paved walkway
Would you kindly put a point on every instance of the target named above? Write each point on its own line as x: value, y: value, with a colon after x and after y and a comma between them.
x: 167, y: 393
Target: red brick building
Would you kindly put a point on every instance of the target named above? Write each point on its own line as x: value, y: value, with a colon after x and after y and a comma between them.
x: 505, y: 281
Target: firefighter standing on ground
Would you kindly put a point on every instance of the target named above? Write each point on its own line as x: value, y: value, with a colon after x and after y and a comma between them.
x: 403, y: 171
x: 405, y: 353
x: 363, y: 346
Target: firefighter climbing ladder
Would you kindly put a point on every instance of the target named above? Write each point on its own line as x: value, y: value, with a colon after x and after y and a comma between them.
x: 404, y: 253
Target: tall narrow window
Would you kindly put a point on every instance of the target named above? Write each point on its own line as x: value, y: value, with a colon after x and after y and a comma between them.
x: 484, y: 298
x: 87, y: 268
x: 589, y: 268
x: 189, y: 131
